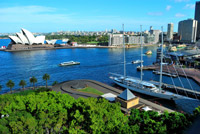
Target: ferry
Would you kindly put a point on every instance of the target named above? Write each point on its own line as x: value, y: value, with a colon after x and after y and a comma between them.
x: 69, y: 63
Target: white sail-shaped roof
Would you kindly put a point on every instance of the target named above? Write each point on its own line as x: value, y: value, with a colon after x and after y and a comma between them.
x: 23, y: 38
x: 26, y: 37
x: 39, y: 40
x: 29, y: 36
x: 15, y: 39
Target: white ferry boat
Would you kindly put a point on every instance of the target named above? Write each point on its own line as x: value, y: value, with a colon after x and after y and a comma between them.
x: 69, y: 63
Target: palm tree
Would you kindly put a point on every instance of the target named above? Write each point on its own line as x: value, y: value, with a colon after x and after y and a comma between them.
x: 46, y: 77
x: 10, y: 84
x: 0, y: 87
x: 33, y: 80
x: 22, y: 83
x: 54, y: 83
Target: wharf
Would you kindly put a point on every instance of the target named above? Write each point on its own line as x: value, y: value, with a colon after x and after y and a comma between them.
x: 171, y: 69
x: 181, y: 90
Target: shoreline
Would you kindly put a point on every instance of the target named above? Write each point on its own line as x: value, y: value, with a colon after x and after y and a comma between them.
x: 74, y: 47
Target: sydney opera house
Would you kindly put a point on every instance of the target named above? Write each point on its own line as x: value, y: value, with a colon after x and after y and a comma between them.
x: 25, y: 40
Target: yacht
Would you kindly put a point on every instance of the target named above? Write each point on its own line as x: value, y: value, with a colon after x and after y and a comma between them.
x: 69, y: 63
x: 141, y: 86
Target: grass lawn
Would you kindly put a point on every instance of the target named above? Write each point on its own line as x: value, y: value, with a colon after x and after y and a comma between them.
x: 26, y: 92
x: 91, y: 90
x: 93, y: 42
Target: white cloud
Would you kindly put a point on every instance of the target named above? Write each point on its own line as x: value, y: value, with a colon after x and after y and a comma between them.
x: 155, y: 13
x: 32, y: 14
x: 181, y: 0
x: 26, y: 9
x: 179, y: 15
x: 189, y: 6
x: 168, y: 7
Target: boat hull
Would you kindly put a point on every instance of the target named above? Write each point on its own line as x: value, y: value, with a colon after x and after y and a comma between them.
x: 158, y: 95
x: 70, y: 64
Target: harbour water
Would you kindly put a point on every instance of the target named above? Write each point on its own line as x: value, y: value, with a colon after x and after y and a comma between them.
x: 96, y: 63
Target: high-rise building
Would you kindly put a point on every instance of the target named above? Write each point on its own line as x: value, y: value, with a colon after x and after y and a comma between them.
x: 135, y: 39
x: 187, y: 30
x: 116, y: 40
x: 156, y: 33
x: 170, y: 31
x: 197, y: 17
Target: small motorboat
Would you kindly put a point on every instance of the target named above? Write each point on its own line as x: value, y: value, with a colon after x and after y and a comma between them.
x: 149, y: 52
x: 136, y: 61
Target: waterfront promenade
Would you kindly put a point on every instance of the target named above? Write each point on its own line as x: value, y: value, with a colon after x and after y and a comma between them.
x: 67, y: 87
x: 51, y: 47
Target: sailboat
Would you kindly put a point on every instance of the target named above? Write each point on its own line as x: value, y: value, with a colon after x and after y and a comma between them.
x: 141, y: 86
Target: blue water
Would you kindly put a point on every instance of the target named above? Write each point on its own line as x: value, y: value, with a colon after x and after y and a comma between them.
x: 5, y: 42
x: 96, y: 63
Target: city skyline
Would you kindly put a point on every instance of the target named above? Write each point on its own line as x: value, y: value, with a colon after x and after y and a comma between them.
x: 51, y: 16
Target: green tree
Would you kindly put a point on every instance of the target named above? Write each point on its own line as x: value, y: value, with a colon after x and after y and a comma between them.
x: 22, y: 83
x: 10, y: 84
x: 33, y: 80
x: 103, y: 39
x: 196, y: 112
x: 0, y: 87
x: 54, y: 83
x: 46, y: 77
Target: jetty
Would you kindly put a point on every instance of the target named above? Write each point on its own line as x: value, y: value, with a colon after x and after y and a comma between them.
x: 172, y: 69
x: 180, y: 90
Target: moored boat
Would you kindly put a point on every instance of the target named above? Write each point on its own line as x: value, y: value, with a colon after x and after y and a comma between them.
x: 149, y: 52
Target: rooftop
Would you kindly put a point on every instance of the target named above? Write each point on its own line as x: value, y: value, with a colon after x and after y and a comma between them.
x: 127, y: 95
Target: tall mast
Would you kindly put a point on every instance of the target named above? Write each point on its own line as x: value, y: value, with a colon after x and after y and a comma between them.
x: 124, y: 53
x: 161, y: 61
x: 141, y: 46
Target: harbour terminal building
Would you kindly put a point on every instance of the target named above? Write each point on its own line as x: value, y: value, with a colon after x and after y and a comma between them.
x: 25, y: 40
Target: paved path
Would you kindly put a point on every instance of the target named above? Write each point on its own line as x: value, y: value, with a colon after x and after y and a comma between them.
x: 66, y: 87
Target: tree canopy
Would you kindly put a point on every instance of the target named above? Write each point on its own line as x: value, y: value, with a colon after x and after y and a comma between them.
x: 43, y: 111
x: 79, y: 38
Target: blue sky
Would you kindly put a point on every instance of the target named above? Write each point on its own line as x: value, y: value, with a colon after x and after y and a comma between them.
x: 92, y: 15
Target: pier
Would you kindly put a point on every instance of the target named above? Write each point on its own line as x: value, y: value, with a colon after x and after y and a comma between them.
x: 184, y: 72
x: 180, y: 90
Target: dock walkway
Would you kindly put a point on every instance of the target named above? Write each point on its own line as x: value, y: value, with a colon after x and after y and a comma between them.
x: 184, y: 72
x: 189, y: 91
